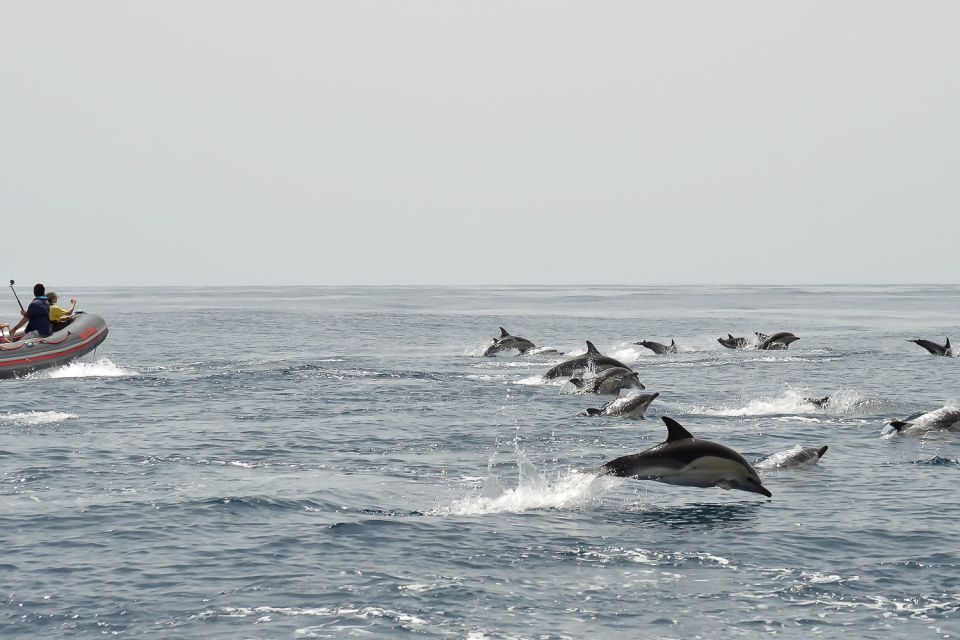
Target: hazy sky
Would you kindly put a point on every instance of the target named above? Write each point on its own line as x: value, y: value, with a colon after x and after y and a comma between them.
x: 485, y: 142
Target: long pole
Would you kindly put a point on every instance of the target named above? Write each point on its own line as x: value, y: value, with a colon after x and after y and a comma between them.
x: 15, y: 295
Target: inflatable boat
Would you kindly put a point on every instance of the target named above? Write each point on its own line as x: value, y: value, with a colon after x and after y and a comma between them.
x: 80, y: 336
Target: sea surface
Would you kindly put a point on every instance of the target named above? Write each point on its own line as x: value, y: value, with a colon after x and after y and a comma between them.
x: 340, y: 462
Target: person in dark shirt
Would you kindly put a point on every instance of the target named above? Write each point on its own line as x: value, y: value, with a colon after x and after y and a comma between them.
x: 36, y: 317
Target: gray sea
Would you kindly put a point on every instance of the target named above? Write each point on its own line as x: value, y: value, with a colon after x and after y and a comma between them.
x: 340, y: 462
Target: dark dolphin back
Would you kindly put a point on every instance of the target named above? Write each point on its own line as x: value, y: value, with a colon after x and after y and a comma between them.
x: 592, y: 358
x: 931, y: 346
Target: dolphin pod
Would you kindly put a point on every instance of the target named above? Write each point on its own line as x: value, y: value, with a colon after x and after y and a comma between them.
x: 690, y: 462
x: 682, y: 459
x: 934, y: 348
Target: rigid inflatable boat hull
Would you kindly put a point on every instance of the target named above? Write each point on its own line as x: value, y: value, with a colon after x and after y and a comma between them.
x: 80, y: 337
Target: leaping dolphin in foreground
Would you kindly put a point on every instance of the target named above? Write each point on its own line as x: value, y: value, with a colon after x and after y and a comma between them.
x: 592, y: 360
x: 689, y: 462
x: 658, y: 348
x: 507, y: 341
x: 934, y: 348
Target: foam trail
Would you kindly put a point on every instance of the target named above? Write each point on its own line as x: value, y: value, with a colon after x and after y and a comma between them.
x: 540, y: 380
x: 32, y: 418
x: 629, y: 353
x: 792, y: 401
x: 102, y: 368
x: 569, y: 489
x: 550, y: 351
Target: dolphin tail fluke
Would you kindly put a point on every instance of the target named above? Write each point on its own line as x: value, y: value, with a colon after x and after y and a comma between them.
x: 593, y: 411
x: 822, y: 450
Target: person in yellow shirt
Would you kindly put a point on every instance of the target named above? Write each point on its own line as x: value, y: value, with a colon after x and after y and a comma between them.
x: 59, y: 316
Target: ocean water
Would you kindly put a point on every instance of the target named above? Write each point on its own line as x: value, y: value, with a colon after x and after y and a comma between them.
x: 339, y: 462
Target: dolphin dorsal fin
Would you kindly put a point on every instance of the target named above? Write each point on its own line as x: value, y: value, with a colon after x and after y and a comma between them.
x: 822, y: 450
x: 592, y: 349
x: 947, y: 346
x: 675, y: 430
x: 672, y: 343
x: 900, y: 425
x: 730, y: 335
x: 503, y: 332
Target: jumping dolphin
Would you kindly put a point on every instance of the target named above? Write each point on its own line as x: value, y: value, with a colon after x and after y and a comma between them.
x: 942, y: 419
x: 612, y: 380
x: 628, y: 407
x: 658, y: 348
x: 794, y: 457
x: 732, y: 343
x: 507, y: 341
x: 780, y: 340
x: 592, y: 360
x: 819, y: 403
x: 687, y: 461
x: 934, y: 348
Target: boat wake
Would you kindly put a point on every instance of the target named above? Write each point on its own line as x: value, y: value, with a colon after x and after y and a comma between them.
x: 102, y: 368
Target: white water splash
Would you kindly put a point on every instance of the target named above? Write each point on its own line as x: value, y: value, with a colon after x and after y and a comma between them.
x: 792, y: 401
x: 473, y: 351
x: 102, y: 368
x: 628, y: 353
x: 534, y: 381
x: 568, y: 489
x: 32, y: 418
x: 541, y: 351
